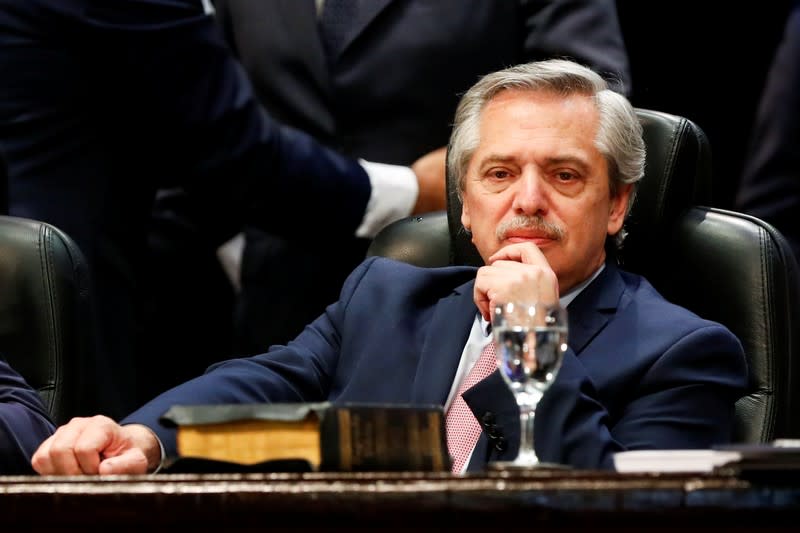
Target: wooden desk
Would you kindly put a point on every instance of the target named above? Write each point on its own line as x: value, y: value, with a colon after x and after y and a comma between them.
x: 540, y: 501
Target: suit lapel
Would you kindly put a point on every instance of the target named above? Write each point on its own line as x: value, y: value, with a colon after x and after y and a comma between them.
x: 444, y: 341
x: 591, y: 310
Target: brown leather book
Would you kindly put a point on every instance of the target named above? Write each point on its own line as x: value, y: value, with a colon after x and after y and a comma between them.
x: 309, y: 436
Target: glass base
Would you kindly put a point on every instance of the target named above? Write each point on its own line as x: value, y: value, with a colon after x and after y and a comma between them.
x: 519, y: 465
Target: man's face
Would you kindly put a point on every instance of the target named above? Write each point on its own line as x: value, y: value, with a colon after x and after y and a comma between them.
x: 537, y: 176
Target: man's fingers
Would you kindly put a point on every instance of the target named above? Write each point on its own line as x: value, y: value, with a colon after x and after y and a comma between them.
x: 98, y: 439
x: 523, y: 252
x: 41, y: 458
x: 75, y: 448
x: 506, y: 280
x: 55, y: 455
x: 131, y: 461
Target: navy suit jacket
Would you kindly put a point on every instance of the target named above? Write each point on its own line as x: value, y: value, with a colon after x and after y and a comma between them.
x: 24, y: 422
x: 639, y: 372
x: 104, y: 101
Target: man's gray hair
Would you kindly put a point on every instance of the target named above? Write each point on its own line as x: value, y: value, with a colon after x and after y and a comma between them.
x: 619, y: 137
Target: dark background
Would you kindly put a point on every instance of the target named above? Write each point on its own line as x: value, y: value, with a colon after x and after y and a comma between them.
x: 706, y: 61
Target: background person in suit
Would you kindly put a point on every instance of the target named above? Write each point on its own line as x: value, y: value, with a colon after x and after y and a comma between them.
x: 770, y: 185
x: 102, y: 102
x: 546, y: 158
x: 24, y: 422
x: 382, y: 85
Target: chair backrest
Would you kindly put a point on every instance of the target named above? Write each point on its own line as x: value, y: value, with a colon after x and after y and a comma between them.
x: 45, y: 314
x: 724, y: 266
x: 740, y: 271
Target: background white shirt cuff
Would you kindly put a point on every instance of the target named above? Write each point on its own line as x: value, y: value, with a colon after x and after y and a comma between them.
x: 394, y: 195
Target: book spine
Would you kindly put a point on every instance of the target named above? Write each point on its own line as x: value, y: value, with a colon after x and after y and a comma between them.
x: 387, y: 439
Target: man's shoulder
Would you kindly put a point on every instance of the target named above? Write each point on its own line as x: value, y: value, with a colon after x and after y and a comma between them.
x: 378, y: 279
x: 388, y: 266
x: 652, y: 306
x: 401, y: 274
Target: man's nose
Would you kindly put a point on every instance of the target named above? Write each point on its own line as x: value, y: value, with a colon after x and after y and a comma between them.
x: 530, y: 196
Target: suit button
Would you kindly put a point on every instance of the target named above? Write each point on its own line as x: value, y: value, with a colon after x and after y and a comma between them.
x: 488, y: 418
x: 501, y: 444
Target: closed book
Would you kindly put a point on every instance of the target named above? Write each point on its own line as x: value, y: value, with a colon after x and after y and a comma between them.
x: 308, y: 436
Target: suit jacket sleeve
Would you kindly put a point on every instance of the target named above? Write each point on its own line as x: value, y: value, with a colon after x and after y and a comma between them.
x: 183, y: 87
x: 298, y: 372
x: 24, y: 422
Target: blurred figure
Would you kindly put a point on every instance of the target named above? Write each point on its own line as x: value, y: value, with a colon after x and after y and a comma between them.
x: 102, y: 102
x: 770, y: 185
x: 24, y: 422
x: 380, y: 80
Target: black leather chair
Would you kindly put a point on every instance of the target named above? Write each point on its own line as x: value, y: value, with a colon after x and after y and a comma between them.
x: 45, y: 314
x: 725, y: 266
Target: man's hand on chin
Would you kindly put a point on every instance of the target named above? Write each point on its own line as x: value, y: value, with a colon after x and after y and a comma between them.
x: 518, y: 272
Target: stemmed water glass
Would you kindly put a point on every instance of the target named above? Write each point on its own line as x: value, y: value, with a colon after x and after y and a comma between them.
x: 530, y: 340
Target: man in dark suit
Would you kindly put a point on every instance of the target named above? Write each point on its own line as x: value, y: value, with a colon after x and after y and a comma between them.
x: 546, y: 158
x: 770, y: 186
x: 24, y: 422
x: 102, y: 102
x: 380, y: 85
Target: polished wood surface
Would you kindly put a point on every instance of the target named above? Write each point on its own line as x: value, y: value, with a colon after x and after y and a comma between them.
x: 545, y: 500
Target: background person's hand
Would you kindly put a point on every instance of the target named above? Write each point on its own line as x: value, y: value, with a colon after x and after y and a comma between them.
x: 430, y: 171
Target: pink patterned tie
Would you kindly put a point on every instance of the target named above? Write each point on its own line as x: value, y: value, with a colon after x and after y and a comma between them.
x: 463, y: 429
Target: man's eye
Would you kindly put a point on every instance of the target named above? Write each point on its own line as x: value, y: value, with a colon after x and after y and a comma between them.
x: 499, y: 174
x: 565, y: 176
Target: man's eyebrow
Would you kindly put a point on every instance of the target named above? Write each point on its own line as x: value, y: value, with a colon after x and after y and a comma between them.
x: 568, y: 159
x: 495, y: 158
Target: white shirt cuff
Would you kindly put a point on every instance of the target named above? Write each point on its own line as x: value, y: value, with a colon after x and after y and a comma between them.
x: 394, y: 195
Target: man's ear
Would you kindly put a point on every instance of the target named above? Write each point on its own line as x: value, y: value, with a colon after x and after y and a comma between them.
x: 465, y: 220
x: 618, y: 208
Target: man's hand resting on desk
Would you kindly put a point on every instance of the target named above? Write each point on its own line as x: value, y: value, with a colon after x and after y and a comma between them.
x: 98, y: 445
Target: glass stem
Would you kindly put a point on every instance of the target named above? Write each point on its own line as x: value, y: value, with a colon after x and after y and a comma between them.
x: 527, y: 453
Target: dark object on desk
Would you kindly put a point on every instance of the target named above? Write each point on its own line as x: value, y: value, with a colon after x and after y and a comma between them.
x: 308, y: 436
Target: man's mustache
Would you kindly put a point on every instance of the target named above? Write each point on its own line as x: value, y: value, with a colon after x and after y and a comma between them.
x: 533, y: 223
